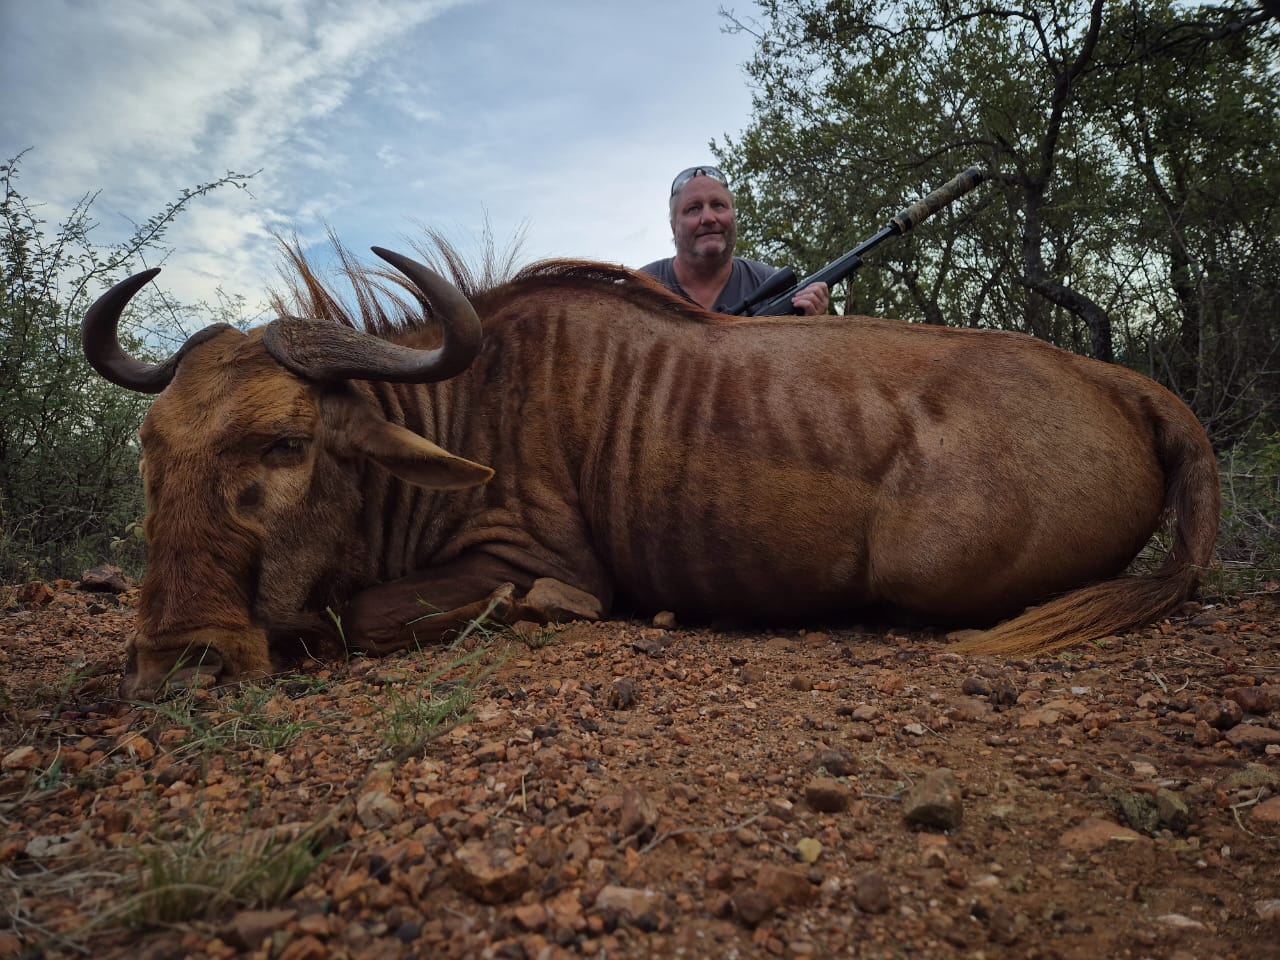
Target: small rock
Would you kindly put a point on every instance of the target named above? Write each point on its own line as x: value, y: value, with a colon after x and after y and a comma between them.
x: 975, y: 687
x: 836, y: 761
x: 781, y: 808
x: 650, y: 646
x: 638, y: 815
x: 1266, y: 814
x: 1220, y: 714
x: 560, y: 602
x: 104, y: 578
x: 531, y: 916
x: 622, y: 695
x: 1204, y: 735
x: 629, y: 902
x: 719, y: 876
x: 23, y: 758
x: 1172, y: 811
x: 935, y: 801
x: 1268, y: 911
x: 1138, y: 809
x: 35, y: 593
x: 490, y: 874
x: 137, y: 746
x: 249, y: 928
x: 785, y: 886
x: 752, y: 907
x: 1251, y: 737
x: 871, y: 893
x: 826, y: 795
x: 376, y: 810
x: 1179, y: 922
x: 1004, y: 926
x: 55, y: 845
x: 803, y: 684
x: 1094, y: 833
x: 1003, y: 693
x: 809, y: 849
x: 1256, y: 700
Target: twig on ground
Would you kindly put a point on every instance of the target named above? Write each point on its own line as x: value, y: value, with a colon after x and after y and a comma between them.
x: 668, y: 834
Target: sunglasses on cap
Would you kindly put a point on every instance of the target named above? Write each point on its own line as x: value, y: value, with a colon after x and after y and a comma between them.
x: 684, y: 176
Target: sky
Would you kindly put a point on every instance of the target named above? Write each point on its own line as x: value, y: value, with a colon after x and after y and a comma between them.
x: 378, y: 119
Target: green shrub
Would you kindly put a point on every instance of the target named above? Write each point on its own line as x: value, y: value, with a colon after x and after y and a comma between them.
x: 1249, y: 542
x: 68, y: 439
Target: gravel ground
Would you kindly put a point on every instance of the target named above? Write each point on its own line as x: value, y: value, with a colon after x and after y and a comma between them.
x: 628, y: 790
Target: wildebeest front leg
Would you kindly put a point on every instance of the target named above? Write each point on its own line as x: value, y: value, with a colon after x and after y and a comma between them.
x: 438, y: 604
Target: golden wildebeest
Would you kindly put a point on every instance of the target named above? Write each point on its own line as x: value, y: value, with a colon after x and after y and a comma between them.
x: 578, y: 440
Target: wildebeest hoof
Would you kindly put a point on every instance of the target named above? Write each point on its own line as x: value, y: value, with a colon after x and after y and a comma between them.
x: 151, y: 674
x: 557, y: 601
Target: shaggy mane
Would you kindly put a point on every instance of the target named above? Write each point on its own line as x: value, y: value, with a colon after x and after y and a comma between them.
x: 382, y: 302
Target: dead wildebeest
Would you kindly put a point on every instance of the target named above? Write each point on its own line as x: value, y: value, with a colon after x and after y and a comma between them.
x: 578, y: 440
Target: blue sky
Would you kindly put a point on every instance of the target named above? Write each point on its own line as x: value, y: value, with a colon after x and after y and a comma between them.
x: 377, y: 118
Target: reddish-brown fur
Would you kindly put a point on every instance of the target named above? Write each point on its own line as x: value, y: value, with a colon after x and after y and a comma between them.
x: 652, y: 456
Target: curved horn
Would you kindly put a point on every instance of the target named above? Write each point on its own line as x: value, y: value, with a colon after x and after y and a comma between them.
x: 99, y: 335
x: 316, y: 350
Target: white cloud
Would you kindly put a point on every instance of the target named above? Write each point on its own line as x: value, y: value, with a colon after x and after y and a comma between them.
x: 369, y: 117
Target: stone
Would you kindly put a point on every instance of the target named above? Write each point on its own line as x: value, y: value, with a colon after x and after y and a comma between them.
x: 935, y: 801
x: 103, y: 578
x: 871, y: 893
x: 785, y: 886
x: 1172, y: 810
x: 1248, y: 736
x: 1094, y: 833
x: 622, y: 695
x: 22, y: 758
x: 629, y: 902
x: 826, y: 795
x: 1268, y: 911
x: 558, y: 601
x: 752, y: 907
x: 249, y: 928
x: 1220, y: 714
x: 490, y: 874
x: 637, y: 815
x: 1266, y: 814
x: 809, y: 849
x: 376, y: 809
x: 1256, y: 700
x: 837, y: 761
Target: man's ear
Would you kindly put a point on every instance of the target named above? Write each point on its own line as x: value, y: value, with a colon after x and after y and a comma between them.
x: 360, y: 432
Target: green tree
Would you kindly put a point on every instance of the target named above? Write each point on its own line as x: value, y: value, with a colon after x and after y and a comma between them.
x: 1130, y: 212
x: 68, y: 439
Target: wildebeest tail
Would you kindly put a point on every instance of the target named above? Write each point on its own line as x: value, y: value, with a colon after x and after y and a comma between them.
x: 1192, y: 498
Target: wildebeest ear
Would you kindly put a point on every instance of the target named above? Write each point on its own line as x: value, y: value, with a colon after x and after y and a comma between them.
x: 419, y: 461
x: 360, y: 432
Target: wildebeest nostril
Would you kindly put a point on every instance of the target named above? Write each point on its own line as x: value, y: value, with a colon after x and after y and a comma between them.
x: 250, y: 497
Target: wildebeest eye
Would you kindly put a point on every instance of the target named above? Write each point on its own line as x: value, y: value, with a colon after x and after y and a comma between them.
x: 286, y: 451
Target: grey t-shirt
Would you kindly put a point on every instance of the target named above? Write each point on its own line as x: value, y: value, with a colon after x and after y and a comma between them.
x: 745, y: 279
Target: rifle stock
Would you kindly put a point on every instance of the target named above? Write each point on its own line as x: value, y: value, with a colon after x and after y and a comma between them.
x: 909, y: 218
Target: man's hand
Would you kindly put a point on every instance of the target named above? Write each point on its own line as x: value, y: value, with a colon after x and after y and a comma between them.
x: 812, y: 301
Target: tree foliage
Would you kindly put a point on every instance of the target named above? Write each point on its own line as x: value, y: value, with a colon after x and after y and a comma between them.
x: 68, y: 439
x: 1133, y: 208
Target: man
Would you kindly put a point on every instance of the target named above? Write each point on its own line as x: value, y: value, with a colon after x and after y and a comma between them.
x: 705, y: 229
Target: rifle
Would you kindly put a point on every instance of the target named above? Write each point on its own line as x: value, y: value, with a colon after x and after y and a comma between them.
x: 773, y: 297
